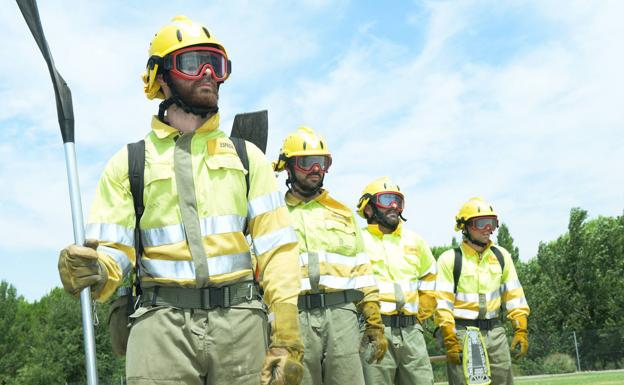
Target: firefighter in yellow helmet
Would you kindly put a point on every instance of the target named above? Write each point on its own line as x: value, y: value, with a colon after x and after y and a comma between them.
x: 199, y: 319
x: 405, y: 270
x: 475, y: 281
x: 336, y: 276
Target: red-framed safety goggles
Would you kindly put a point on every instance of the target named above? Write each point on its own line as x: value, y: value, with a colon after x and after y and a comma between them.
x: 306, y: 163
x: 388, y: 200
x: 484, y: 223
x: 190, y: 63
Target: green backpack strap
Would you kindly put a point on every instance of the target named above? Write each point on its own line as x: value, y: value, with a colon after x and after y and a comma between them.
x: 499, y: 256
x: 136, y: 173
x: 457, y: 267
x: 241, y: 151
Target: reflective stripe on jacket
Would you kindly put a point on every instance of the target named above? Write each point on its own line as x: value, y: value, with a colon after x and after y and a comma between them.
x: 402, y: 258
x: 327, y: 230
x: 222, y: 208
x: 481, y: 289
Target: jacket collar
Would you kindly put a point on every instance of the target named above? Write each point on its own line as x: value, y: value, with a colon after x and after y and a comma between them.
x: 374, y: 230
x: 324, y: 199
x: 163, y: 130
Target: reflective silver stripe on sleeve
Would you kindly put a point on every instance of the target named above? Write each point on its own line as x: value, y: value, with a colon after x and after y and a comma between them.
x: 274, y: 239
x: 474, y: 297
x: 333, y: 258
x: 222, y: 264
x: 265, y: 203
x: 445, y: 304
x: 515, y: 303
x: 426, y: 285
x: 209, y: 226
x: 110, y: 232
x: 511, y: 285
x: 444, y: 286
x: 120, y: 258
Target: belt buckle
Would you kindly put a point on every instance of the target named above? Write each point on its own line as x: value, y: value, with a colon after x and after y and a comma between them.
x: 314, y: 301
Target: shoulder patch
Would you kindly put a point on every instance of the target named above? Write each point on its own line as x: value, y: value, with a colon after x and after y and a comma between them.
x: 221, y: 146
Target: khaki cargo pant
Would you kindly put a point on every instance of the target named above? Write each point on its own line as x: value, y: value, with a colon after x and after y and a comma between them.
x: 197, y: 347
x: 331, y: 339
x: 498, y: 354
x: 406, y: 362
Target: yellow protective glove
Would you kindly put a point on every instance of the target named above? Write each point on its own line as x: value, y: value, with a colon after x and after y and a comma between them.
x: 521, y: 337
x: 79, y: 267
x: 453, y: 348
x: 374, y: 332
x: 283, y: 361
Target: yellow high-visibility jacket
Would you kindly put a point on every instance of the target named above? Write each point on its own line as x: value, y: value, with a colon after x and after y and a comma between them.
x: 405, y: 269
x: 481, y: 282
x: 328, y: 228
x: 222, y: 208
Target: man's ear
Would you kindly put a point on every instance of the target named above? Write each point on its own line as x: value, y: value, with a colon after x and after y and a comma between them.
x: 368, y: 211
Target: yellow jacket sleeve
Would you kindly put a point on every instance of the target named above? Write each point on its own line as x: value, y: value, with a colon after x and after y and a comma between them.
x: 274, y: 240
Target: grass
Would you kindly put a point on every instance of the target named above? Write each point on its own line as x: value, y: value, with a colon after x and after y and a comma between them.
x: 593, y: 378
x: 611, y: 377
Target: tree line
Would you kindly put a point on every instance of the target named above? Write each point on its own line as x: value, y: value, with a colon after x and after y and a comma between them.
x: 574, y: 286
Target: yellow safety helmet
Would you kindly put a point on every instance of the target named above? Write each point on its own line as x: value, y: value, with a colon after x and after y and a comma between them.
x: 301, y: 142
x: 474, y: 208
x: 182, y: 32
x: 383, y: 184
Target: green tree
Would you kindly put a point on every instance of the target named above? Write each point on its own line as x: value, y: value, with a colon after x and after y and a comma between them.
x: 504, y: 239
x: 12, y: 332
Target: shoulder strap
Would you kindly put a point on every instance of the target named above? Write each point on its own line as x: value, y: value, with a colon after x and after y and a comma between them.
x: 457, y: 267
x: 499, y: 256
x: 136, y: 171
x: 241, y: 150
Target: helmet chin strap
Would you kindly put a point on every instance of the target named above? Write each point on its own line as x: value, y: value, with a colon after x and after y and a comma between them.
x: 176, y: 99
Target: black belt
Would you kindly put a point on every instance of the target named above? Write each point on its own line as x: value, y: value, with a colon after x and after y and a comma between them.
x: 204, y: 298
x: 399, y: 320
x: 320, y: 300
x: 482, y: 324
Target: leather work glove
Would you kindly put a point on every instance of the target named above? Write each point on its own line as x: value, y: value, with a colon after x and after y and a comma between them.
x: 521, y: 336
x: 374, y: 332
x: 283, y: 361
x: 453, y: 348
x: 79, y: 267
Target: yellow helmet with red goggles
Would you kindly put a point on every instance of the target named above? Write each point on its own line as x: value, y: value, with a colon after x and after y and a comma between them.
x: 384, y: 194
x: 475, y: 208
x: 182, y: 33
x: 303, y: 142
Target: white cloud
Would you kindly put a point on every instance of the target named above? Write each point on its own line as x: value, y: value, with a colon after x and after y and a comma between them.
x: 536, y: 134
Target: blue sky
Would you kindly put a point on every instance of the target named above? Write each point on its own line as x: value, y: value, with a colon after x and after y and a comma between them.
x: 518, y: 102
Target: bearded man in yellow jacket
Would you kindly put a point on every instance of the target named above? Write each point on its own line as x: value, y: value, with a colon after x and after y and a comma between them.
x: 475, y: 282
x: 200, y: 319
x: 337, y: 279
x: 405, y: 270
